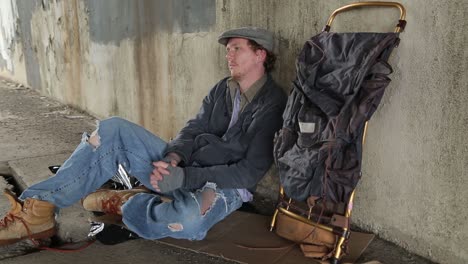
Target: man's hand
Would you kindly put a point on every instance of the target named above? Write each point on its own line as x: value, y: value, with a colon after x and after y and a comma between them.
x: 160, y: 168
x: 165, y: 168
x: 172, y: 158
x: 166, y: 178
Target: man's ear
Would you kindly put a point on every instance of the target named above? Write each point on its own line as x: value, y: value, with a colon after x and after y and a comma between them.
x: 261, y: 55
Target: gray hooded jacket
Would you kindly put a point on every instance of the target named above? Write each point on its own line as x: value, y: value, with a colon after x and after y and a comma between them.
x: 237, y: 157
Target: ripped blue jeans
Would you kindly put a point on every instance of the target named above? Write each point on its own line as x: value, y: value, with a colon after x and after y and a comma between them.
x: 123, y: 142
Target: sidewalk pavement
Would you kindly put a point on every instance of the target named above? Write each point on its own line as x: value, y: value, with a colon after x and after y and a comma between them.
x: 37, y: 132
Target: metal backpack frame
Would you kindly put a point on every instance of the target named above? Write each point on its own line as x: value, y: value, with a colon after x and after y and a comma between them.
x: 286, y: 205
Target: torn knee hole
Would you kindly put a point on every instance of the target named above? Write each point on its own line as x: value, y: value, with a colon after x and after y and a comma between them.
x: 208, y: 198
x: 175, y: 227
x: 94, y: 139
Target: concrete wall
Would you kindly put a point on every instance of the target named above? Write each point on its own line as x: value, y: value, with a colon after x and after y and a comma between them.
x: 414, y: 188
x: 153, y: 61
x: 11, y: 54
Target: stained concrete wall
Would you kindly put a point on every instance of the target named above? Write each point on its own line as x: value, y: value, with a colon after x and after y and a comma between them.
x: 11, y: 56
x: 153, y: 61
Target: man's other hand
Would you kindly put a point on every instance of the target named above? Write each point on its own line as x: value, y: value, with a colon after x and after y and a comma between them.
x: 159, y: 171
x: 166, y: 177
x: 172, y: 158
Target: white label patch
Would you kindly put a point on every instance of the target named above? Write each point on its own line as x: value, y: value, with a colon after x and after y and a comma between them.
x: 307, y: 127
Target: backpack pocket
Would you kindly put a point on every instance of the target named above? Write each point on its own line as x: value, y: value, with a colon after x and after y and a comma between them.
x: 309, y: 127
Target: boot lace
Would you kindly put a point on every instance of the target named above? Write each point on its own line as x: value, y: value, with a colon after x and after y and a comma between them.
x: 112, y: 205
x: 9, y: 218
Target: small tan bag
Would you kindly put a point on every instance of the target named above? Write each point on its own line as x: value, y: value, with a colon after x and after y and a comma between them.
x: 314, y: 242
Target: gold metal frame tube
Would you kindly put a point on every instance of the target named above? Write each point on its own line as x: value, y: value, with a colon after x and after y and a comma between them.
x: 370, y: 3
x: 365, y: 132
x: 304, y: 220
x: 341, y: 240
x: 349, y: 207
x: 273, y: 220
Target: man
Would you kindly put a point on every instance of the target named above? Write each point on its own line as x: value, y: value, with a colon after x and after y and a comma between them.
x: 208, y: 170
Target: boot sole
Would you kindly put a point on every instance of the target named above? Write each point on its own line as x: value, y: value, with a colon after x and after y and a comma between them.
x: 41, y: 235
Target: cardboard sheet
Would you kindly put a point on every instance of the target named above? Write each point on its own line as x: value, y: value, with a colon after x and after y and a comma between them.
x: 245, y: 237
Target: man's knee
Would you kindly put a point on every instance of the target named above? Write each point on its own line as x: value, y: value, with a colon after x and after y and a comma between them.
x: 195, y: 208
x: 208, y: 199
x: 94, y: 139
x: 109, y: 124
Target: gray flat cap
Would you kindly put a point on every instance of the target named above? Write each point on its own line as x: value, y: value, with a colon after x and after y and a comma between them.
x: 259, y: 35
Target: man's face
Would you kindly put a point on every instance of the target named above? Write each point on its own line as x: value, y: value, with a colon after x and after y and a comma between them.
x: 241, y: 58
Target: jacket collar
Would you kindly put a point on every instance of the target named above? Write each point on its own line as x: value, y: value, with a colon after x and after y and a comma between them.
x: 249, y: 95
x: 262, y: 82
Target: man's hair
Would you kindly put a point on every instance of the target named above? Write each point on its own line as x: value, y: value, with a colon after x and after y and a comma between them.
x: 270, y: 59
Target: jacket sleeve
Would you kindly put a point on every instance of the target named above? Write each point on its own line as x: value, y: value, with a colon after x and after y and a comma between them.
x: 184, y: 141
x: 248, y: 171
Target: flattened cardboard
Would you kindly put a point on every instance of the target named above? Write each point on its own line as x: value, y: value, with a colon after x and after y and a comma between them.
x: 245, y: 237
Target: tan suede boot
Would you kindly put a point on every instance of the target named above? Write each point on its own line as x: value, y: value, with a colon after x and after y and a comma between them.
x: 109, y: 201
x: 33, y: 219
